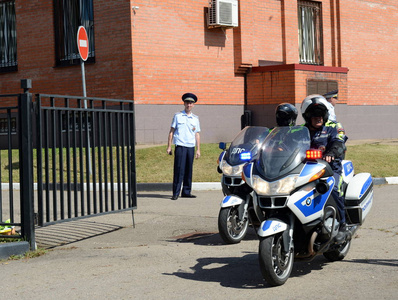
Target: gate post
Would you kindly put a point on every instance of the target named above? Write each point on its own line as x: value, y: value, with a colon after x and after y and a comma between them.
x: 26, y: 163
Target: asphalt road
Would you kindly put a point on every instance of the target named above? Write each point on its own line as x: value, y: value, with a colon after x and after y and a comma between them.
x: 175, y: 252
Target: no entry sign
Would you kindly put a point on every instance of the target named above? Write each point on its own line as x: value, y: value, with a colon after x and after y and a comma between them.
x: 82, y: 43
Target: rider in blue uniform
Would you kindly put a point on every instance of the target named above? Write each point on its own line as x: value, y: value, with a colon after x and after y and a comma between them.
x: 326, y: 138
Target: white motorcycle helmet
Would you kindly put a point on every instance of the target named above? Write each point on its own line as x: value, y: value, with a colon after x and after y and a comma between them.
x: 314, y: 106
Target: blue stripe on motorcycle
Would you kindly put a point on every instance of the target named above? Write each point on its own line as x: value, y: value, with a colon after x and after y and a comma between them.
x: 348, y: 168
x: 247, y: 170
x: 266, y: 225
x: 366, y: 186
x: 221, y: 157
x: 308, y: 169
x: 309, y: 206
x: 226, y: 199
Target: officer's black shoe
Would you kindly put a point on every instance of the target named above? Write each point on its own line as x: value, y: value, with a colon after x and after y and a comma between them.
x: 175, y: 197
x: 342, y: 234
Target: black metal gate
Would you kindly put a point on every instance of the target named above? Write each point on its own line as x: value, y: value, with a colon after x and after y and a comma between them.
x: 77, y: 159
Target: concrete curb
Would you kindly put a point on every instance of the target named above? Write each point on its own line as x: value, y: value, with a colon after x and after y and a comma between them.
x: 13, y: 248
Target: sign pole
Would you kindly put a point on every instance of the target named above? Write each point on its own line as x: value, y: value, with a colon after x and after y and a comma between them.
x: 84, y: 82
x: 82, y: 45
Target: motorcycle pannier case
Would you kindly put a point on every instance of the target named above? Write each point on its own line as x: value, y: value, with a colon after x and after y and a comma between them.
x: 359, y: 198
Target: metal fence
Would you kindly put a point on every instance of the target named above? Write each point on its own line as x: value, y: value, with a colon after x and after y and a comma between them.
x: 76, y: 159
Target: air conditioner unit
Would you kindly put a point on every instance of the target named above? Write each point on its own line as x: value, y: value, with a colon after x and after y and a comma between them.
x: 223, y: 13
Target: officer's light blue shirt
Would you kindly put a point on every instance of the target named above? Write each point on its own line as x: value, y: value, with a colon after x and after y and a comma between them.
x: 185, y: 128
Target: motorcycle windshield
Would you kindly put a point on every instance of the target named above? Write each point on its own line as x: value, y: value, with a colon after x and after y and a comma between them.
x: 283, y: 150
x: 246, y: 144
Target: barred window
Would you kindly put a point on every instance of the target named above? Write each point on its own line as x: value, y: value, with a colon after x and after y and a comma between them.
x: 8, y: 37
x: 310, y: 32
x: 69, y: 15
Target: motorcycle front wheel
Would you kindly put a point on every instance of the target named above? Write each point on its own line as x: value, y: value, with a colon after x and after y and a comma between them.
x: 275, y: 263
x: 231, y: 229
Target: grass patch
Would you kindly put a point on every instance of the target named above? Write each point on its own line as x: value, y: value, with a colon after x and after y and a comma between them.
x: 376, y: 159
x: 29, y: 254
x: 154, y: 165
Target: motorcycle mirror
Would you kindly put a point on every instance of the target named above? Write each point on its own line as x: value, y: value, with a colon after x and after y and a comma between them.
x: 222, y: 145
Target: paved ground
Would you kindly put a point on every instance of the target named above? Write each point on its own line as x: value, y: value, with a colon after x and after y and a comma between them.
x: 175, y: 252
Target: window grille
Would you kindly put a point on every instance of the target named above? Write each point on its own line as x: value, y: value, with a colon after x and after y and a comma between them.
x: 310, y: 32
x: 69, y: 15
x: 8, y: 37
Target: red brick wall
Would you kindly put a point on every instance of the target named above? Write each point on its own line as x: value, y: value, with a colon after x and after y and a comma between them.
x: 110, y: 76
x: 166, y: 49
x: 369, y: 43
x: 174, y: 53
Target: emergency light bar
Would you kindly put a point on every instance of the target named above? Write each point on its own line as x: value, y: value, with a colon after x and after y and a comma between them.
x: 314, y: 154
x: 246, y: 156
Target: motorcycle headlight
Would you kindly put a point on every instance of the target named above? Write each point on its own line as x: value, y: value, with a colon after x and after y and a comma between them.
x: 280, y: 187
x: 229, y: 170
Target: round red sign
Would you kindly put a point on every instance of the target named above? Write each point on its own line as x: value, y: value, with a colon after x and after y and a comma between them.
x: 82, y: 43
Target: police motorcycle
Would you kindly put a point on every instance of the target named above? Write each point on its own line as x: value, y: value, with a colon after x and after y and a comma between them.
x: 292, y: 188
x: 236, y: 207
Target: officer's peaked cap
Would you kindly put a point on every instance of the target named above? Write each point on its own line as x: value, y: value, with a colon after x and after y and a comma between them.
x: 189, y: 97
x: 331, y: 94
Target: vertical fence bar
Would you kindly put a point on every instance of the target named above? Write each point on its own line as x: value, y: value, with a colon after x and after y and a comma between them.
x: 101, y: 198
x: 133, y: 190
x: 75, y: 190
x: 54, y: 157
x: 68, y: 162
x: 81, y: 160
x: 10, y: 167
x: 105, y: 157
x: 88, y: 163
x: 93, y: 156
x: 118, y: 132
x: 47, y: 164
x: 123, y: 130
x: 26, y: 164
x: 111, y: 161
x: 39, y: 155
x: 61, y: 166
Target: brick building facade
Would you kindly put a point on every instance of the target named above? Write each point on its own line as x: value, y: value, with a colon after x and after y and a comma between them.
x: 154, y: 51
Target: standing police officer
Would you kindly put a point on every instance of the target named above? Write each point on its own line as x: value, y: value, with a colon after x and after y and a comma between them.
x: 184, y: 133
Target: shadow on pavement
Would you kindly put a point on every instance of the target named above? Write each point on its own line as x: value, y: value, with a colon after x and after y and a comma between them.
x: 380, y: 262
x: 154, y: 196
x: 207, y: 238
x: 70, y: 232
x: 239, y: 272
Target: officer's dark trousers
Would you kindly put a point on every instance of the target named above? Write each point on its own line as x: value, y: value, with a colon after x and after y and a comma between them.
x: 337, y: 196
x: 183, y: 166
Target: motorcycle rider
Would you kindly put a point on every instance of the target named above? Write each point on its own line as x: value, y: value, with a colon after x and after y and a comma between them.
x: 286, y: 114
x: 326, y: 138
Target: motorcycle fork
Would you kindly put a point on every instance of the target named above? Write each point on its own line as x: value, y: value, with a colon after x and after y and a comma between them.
x: 288, y: 235
x: 242, y: 209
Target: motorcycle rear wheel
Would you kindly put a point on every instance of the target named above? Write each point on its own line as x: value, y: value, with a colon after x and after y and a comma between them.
x: 275, y: 264
x: 231, y: 229
x: 340, y: 253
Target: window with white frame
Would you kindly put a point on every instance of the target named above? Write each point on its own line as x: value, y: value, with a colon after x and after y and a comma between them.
x: 69, y: 15
x: 8, y: 37
x: 310, y: 32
